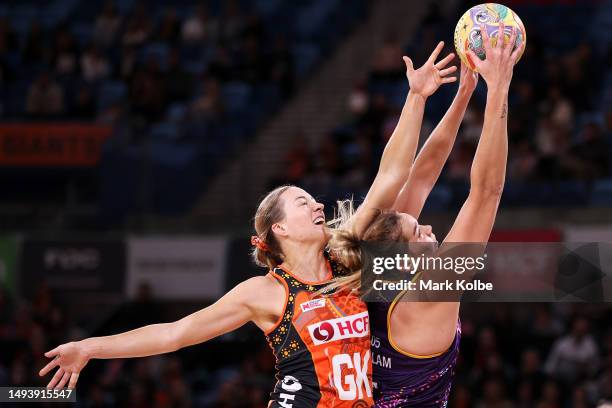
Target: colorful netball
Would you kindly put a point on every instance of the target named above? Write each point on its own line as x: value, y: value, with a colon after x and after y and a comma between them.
x: 467, y: 32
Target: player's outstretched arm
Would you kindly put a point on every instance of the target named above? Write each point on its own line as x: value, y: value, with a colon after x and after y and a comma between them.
x: 432, y: 157
x: 402, y: 145
x: 476, y: 217
x: 233, y: 310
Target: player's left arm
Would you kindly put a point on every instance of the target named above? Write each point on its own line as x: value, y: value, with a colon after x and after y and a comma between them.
x: 402, y: 145
x: 432, y: 157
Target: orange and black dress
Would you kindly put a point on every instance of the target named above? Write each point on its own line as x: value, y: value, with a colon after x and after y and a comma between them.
x: 322, y: 347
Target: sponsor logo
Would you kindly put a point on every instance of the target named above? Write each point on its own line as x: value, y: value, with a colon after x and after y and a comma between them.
x: 312, y: 304
x: 72, y: 258
x: 352, y: 326
x: 289, y: 384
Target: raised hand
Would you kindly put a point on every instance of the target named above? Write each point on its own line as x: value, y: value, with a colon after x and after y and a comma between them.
x: 497, y: 67
x: 70, y: 358
x: 427, y: 79
x: 468, y: 79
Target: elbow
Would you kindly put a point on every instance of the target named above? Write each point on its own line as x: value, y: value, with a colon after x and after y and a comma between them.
x: 172, y: 338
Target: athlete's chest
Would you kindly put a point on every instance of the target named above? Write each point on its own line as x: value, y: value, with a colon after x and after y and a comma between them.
x: 326, y: 320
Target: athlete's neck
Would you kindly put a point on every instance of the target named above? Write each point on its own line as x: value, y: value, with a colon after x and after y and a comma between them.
x: 309, y: 264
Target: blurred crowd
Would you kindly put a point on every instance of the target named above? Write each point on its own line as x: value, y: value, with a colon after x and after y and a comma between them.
x: 512, y: 356
x: 145, y: 64
x: 560, y: 125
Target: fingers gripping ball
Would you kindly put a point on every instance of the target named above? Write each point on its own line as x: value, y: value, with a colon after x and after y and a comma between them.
x: 467, y: 32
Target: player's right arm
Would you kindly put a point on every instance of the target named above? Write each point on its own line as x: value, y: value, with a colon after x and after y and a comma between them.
x: 432, y: 157
x: 477, y: 215
x: 402, y: 145
x: 258, y: 299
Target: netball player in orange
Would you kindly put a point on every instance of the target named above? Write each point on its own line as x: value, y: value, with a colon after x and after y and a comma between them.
x: 415, y: 344
x: 322, y: 345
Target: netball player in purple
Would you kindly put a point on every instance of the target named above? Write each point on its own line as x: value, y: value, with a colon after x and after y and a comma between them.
x: 415, y: 344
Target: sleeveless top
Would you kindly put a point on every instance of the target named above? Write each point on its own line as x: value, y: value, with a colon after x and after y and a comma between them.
x: 401, y: 379
x: 322, y: 347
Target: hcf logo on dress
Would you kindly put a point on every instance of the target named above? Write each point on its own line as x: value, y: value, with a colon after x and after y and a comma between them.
x: 352, y: 326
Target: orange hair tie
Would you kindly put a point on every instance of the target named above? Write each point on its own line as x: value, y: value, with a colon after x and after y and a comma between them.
x: 259, y: 244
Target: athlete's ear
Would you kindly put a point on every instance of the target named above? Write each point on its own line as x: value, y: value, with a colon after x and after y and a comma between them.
x: 279, y: 229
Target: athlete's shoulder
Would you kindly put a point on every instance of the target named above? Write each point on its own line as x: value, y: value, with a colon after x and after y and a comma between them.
x: 260, y: 287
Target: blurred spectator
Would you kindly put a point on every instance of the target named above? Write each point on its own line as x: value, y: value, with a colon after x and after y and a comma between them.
x: 208, y: 105
x: 523, y: 162
x: 138, y: 27
x: 170, y: 27
x: 252, y: 66
x: 107, y: 25
x: 388, y: 63
x: 199, y: 26
x: 84, y: 105
x: 358, y: 100
x: 494, y: 395
x: 551, y: 396
x: 588, y: 159
x: 296, y: 161
x: 45, y: 98
x: 232, y: 23
x: 521, y: 123
x: 94, y: 65
x: 65, y: 53
x: 221, y: 66
x: 281, y: 66
x: 128, y: 63
x: 34, y: 49
x: 559, y: 108
x: 146, y: 94
x: 178, y: 82
x: 8, y: 38
x: 574, y: 357
x: 531, y: 368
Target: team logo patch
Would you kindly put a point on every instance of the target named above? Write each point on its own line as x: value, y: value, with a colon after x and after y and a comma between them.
x: 312, y: 304
x: 352, y: 326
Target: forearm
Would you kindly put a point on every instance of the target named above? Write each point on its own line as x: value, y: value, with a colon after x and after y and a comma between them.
x: 144, y: 341
x: 489, y: 166
x: 401, y: 147
x: 432, y: 157
x: 441, y: 140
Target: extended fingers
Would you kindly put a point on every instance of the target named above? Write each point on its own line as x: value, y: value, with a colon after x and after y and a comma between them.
x: 474, y: 58
x: 441, y: 64
x: 448, y: 70
x: 52, y: 353
x: 48, y: 367
x: 512, y: 40
x: 501, y: 36
x: 448, y: 80
x: 436, y: 52
x: 486, y: 41
x: 408, y: 62
x: 73, y: 380
x: 58, y: 376
x: 63, y: 382
x: 517, y: 52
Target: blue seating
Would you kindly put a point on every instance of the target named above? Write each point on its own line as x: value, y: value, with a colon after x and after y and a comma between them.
x: 305, y: 56
x: 109, y: 93
x: 236, y: 96
x: 165, y: 132
x: 307, y: 26
x: 601, y: 196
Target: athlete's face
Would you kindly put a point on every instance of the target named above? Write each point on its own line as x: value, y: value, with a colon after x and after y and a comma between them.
x: 304, y: 217
x: 414, y: 232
